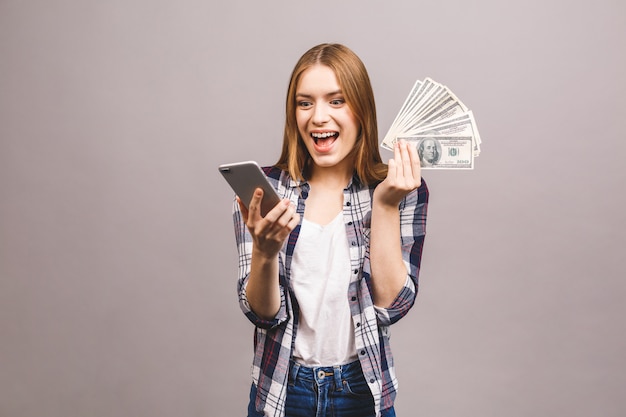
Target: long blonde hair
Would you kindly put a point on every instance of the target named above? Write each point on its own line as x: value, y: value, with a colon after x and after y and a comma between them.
x: 357, y: 89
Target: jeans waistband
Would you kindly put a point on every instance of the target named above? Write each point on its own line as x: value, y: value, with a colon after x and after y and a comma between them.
x: 323, y: 374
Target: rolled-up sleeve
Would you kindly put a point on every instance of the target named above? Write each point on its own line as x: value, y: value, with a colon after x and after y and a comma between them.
x: 413, y: 210
x: 244, y: 250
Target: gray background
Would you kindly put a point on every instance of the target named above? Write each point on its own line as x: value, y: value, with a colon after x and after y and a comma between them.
x: 117, y: 256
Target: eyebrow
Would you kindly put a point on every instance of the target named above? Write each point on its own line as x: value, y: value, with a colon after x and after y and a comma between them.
x: 332, y: 93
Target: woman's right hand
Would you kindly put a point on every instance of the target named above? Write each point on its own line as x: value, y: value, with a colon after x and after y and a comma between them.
x: 269, y: 232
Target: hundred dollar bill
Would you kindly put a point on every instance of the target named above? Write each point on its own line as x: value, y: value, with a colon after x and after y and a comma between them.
x: 409, y: 108
x: 421, y: 95
x: 445, y: 106
x: 431, y: 109
x: 443, y: 152
x: 431, y: 94
x: 459, y: 125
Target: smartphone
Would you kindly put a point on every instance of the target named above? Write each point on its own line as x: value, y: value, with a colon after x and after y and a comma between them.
x: 244, y: 178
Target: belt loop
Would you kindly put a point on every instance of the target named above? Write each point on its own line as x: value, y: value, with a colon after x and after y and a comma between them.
x: 338, y: 383
x: 293, y: 373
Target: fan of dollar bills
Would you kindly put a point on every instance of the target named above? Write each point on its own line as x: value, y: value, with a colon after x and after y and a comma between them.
x: 439, y: 124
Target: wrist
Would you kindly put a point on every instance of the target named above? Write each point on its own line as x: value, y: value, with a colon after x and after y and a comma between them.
x: 262, y: 257
x: 385, y: 205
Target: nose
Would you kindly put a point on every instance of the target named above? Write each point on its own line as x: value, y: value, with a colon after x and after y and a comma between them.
x: 320, y: 115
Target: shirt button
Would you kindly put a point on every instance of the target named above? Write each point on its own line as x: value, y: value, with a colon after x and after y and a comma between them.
x: 362, y: 352
x: 353, y: 298
x: 356, y: 271
x: 353, y: 243
x: 348, y: 204
x: 371, y: 380
x: 358, y: 325
x: 349, y: 223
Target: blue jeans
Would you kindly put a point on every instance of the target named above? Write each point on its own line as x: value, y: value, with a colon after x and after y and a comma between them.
x: 339, y: 391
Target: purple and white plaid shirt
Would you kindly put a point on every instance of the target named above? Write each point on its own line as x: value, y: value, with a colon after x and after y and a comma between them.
x: 274, y: 339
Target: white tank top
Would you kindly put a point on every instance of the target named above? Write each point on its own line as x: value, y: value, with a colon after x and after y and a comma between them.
x: 320, y: 275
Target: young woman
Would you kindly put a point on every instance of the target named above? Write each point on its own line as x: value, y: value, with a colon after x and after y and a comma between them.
x: 326, y: 272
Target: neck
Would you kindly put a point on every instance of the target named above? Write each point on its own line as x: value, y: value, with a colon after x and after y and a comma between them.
x: 331, y: 177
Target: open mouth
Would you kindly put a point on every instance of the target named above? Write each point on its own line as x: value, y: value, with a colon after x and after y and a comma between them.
x: 324, y: 139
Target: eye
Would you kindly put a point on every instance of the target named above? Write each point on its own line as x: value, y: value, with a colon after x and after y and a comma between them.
x: 304, y: 104
x: 337, y: 102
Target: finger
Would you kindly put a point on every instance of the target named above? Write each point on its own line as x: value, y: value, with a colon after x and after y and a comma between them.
x: 295, y: 220
x: 287, y: 220
x: 391, y: 169
x: 282, y: 232
x: 243, y: 209
x: 416, y: 166
x: 292, y: 221
x: 278, y: 211
x: 406, y: 159
x: 397, y: 155
x: 287, y: 215
x: 254, y: 208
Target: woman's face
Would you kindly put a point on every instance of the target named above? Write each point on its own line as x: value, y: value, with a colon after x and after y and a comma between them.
x: 326, y: 123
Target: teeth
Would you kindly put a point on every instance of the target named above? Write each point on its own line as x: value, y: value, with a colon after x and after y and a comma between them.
x: 322, y: 135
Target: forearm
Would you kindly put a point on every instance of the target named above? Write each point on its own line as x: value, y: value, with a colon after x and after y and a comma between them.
x: 266, y: 235
x: 388, y: 271
x: 263, y: 290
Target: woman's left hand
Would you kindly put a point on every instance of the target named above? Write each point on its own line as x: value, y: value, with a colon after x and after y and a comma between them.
x: 403, y: 175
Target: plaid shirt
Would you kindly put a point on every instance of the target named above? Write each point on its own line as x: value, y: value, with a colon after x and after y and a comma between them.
x: 274, y: 339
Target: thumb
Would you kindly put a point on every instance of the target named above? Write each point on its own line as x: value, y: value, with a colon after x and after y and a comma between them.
x: 254, y: 209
